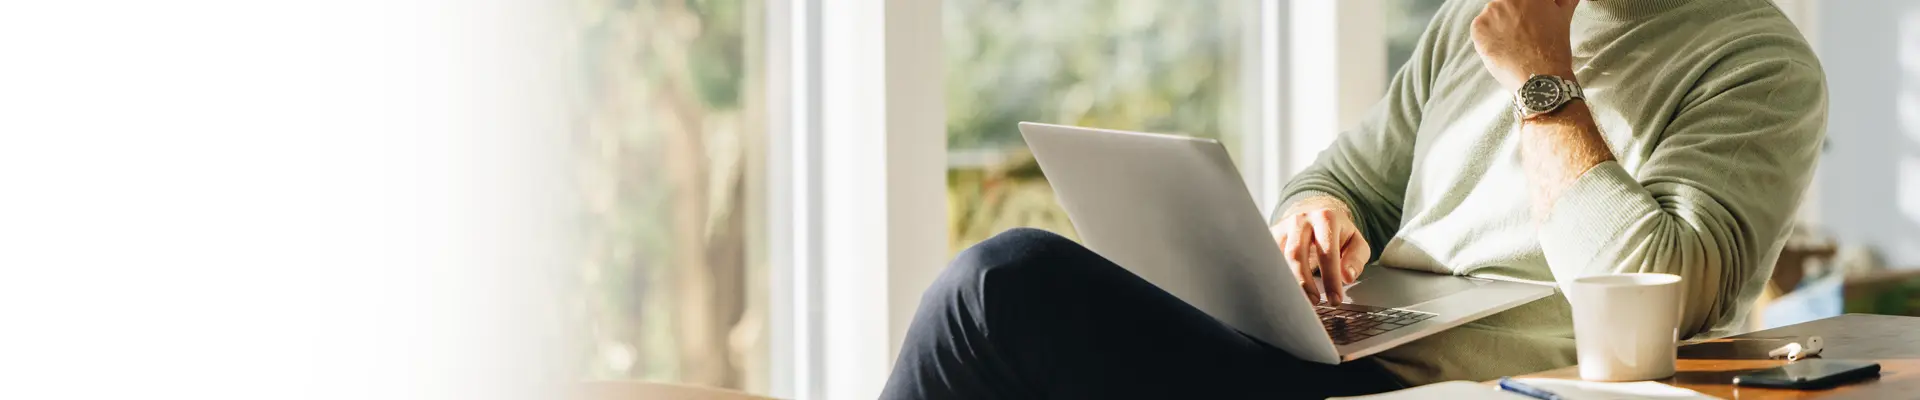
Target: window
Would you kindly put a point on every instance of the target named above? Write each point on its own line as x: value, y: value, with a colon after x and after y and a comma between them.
x: 1145, y: 65
x: 668, y: 130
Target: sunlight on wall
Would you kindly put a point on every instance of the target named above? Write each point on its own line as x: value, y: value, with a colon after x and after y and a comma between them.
x: 1907, y: 106
x: 1869, y: 185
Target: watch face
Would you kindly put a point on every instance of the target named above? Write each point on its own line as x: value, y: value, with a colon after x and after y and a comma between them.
x: 1540, y: 94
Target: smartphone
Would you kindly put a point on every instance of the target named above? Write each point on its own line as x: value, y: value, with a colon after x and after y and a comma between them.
x: 1810, y: 374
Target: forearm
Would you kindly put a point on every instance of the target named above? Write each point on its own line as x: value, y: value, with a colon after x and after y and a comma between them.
x: 1557, y: 148
x: 1619, y: 228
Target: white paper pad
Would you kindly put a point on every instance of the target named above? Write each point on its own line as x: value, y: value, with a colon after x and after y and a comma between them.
x: 1583, y: 390
x: 1567, y: 389
x: 1446, y: 390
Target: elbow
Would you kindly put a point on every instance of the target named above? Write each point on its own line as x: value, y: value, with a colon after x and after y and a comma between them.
x: 1717, y: 266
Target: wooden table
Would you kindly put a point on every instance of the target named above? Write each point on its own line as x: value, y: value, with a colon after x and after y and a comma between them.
x: 1709, y: 367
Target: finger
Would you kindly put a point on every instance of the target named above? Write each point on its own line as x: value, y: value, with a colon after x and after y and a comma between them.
x: 1331, y: 282
x: 1309, y: 261
x: 1295, y: 248
x: 1355, y: 253
x: 1284, y: 237
x: 1332, y: 275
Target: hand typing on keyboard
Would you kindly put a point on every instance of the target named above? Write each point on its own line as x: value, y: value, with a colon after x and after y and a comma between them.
x: 1322, y: 247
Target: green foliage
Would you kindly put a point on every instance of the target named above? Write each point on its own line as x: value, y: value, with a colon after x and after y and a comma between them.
x: 1146, y: 65
x: 1142, y: 64
x: 718, y: 59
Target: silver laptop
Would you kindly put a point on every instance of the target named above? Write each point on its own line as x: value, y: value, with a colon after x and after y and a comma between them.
x: 1174, y: 210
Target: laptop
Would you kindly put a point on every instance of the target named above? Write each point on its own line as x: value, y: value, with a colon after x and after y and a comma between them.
x: 1174, y: 210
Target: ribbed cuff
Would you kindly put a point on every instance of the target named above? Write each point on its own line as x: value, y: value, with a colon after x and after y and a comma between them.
x: 1593, y: 217
x: 1629, y: 10
x: 1280, y: 210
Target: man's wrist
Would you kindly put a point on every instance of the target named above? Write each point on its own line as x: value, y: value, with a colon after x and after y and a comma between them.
x: 1309, y: 201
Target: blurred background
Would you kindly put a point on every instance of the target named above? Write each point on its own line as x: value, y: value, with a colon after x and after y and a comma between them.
x: 739, y: 194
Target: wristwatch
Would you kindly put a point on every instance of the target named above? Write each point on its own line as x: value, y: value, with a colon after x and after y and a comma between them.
x: 1543, y: 94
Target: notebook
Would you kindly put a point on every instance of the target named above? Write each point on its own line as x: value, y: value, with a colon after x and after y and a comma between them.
x: 1566, y: 388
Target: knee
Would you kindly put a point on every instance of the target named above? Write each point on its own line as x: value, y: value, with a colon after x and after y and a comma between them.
x: 1012, y: 249
x: 1003, y: 255
x: 1017, y: 248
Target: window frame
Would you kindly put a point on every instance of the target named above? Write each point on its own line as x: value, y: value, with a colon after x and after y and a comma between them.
x: 858, y: 188
x: 792, y: 197
x: 1345, y: 40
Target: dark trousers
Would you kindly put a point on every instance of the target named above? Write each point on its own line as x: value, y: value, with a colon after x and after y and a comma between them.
x: 1029, y: 314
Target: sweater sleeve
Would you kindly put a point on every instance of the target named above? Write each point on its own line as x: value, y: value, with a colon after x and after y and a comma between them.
x: 1367, y: 167
x: 1713, y: 201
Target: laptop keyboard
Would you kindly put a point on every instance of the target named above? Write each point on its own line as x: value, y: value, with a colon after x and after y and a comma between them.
x: 1349, y: 323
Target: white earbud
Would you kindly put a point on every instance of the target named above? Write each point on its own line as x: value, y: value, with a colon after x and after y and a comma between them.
x: 1795, y: 351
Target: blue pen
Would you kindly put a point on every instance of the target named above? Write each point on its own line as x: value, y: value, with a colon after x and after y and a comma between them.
x: 1508, y: 384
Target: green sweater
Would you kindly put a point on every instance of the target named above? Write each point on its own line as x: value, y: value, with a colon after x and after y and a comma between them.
x: 1715, y: 110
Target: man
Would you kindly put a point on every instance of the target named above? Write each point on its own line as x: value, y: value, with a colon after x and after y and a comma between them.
x: 1698, y: 131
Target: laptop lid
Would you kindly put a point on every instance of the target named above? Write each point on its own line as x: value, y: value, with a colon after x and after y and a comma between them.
x: 1174, y: 210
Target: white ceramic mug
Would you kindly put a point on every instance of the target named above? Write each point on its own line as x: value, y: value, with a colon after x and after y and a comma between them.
x: 1626, y: 326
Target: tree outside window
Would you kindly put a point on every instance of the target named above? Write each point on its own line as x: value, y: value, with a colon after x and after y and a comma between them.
x: 667, y: 129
